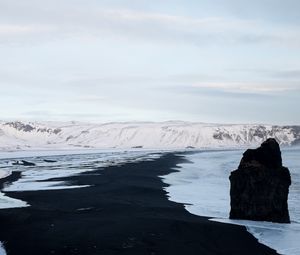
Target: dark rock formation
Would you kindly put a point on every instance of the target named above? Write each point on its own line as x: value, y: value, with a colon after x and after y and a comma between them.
x: 26, y: 163
x: 49, y: 161
x: 20, y: 126
x: 259, y: 187
x: 23, y: 163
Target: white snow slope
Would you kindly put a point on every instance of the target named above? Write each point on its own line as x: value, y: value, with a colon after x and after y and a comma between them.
x: 151, y: 135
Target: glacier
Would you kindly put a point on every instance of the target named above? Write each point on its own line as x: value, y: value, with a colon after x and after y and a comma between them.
x: 18, y: 135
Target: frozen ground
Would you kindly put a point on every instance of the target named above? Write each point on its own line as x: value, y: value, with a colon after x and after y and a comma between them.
x: 2, y: 250
x: 4, y: 173
x: 203, y: 186
x: 40, y: 177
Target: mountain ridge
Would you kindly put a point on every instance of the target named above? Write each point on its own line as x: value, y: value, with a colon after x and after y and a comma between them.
x: 22, y: 135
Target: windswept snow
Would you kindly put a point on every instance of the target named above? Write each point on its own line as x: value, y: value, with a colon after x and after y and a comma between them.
x: 163, y: 135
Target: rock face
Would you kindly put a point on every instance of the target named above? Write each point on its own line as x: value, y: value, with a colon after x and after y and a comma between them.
x: 260, y: 186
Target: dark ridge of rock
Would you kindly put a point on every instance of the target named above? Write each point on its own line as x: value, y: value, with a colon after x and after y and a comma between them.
x: 190, y: 147
x: 268, y: 154
x: 26, y: 163
x: 69, y: 138
x: 49, y: 161
x: 260, y: 186
x: 23, y: 163
x: 16, y: 163
x: 20, y: 126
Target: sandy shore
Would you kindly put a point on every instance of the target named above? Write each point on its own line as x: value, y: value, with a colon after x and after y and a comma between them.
x: 124, y: 211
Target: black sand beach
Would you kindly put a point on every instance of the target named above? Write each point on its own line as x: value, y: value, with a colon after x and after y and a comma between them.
x: 125, y: 211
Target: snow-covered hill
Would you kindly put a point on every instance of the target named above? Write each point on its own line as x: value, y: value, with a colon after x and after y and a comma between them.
x: 164, y: 135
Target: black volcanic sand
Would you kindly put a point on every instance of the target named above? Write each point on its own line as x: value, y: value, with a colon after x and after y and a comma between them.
x: 125, y: 211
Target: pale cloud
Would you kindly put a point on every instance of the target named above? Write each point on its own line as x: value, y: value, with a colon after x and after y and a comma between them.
x: 6, y: 30
x: 203, y: 81
x: 246, y: 87
x: 47, y: 23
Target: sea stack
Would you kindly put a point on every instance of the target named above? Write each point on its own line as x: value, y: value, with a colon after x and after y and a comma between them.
x: 260, y: 186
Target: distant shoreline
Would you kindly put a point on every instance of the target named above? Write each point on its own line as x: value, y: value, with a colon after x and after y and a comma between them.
x: 61, y: 152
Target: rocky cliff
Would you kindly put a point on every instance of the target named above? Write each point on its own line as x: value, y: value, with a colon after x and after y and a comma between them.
x: 260, y: 186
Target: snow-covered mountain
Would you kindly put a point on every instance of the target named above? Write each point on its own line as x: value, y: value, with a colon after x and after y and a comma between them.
x: 164, y: 135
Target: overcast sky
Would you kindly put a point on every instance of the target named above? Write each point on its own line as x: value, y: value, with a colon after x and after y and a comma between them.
x: 222, y: 61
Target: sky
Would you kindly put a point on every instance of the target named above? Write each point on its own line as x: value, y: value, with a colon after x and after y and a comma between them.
x: 217, y: 61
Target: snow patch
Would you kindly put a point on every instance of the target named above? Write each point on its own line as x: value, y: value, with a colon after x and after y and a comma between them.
x: 7, y: 202
x: 4, y: 174
x: 2, y: 250
x: 45, y: 175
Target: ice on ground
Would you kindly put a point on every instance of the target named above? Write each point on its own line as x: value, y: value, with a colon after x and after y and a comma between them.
x: 2, y: 250
x: 7, y: 202
x: 45, y: 175
x: 203, y: 186
x: 40, y: 176
x: 4, y: 173
x: 51, y: 185
x: 29, y: 153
